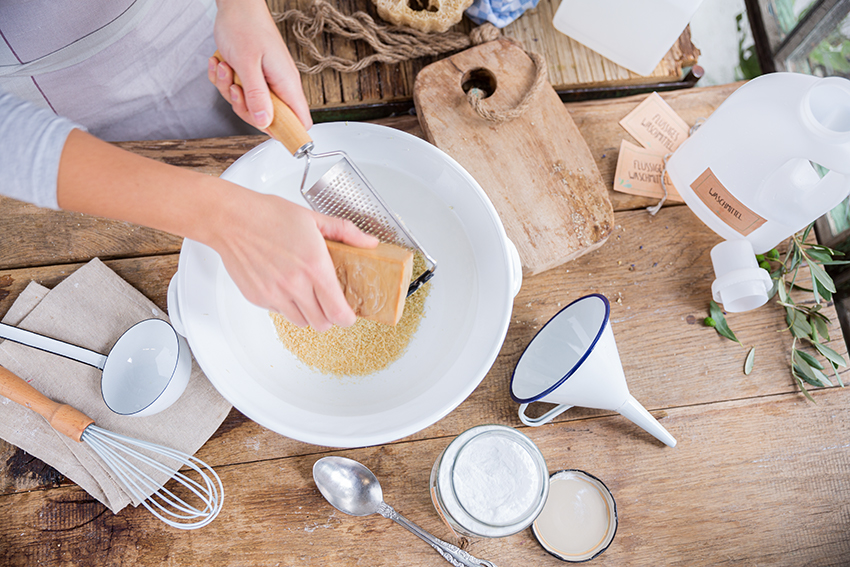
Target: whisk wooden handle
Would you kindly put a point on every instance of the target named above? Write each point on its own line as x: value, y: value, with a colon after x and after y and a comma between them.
x: 285, y: 126
x: 62, y: 417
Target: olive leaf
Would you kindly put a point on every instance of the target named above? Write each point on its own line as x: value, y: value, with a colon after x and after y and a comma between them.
x: 820, y: 325
x: 797, y: 323
x: 819, y: 254
x: 829, y: 354
x: 836, y: 374
x: 750, y: 361
x: 808, y: 359
x: 720, y: 324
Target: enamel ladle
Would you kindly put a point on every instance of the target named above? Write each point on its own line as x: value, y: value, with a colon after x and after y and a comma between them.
x: 146, y: 370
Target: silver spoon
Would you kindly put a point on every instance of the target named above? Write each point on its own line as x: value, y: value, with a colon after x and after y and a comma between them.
x: 146, y: 370
x: 352, y: 488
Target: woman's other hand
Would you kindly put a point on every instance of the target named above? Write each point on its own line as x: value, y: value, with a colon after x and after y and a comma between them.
x: 252, y: 47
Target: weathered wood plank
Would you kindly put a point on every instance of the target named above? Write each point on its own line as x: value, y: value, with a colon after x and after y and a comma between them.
x: 45, y: 237
x: 150, y: 275
x: 756, y: 482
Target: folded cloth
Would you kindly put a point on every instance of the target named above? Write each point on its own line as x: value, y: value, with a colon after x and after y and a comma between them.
x: 498, y: 12
x: 92, y: 308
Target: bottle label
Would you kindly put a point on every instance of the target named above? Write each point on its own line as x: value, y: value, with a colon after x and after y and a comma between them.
x: 726, y: 207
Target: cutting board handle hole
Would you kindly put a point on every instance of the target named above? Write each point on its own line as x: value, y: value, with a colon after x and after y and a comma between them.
x: 481, y: 80
x: 422, y: 6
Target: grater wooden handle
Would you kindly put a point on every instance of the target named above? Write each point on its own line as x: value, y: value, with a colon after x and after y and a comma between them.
x: 62, y: 417
x: 285, y: 126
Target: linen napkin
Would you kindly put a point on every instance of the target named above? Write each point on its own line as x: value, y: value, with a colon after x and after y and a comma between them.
x: 92, y: 308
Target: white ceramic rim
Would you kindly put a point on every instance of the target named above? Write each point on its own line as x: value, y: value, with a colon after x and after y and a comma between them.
x: 198, y: 271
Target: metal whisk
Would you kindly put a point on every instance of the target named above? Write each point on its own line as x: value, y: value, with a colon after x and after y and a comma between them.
x: 124, y: 457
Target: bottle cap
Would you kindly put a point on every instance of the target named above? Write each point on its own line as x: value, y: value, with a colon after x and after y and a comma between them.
x: 741, y: 285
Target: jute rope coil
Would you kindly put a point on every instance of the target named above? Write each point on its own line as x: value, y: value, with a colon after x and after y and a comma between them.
x: 476, y: 100
x: 394, y: 44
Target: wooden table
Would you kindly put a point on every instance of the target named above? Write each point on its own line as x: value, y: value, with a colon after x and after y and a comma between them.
x: 759, y: 477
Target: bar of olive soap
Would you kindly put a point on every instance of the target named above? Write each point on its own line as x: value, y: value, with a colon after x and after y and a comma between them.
x: 374, y: 280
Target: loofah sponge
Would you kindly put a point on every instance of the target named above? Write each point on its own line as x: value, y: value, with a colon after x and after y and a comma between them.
x: 423, y: 15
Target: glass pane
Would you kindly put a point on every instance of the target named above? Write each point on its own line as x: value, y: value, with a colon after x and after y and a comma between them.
x: 788, y: 13
x: 782, y: 16
x: 826, y: 50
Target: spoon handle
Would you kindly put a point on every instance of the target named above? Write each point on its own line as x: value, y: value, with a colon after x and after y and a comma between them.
x: 451, y: 553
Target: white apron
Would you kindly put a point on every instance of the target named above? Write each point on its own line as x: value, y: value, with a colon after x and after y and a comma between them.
x: 124, y: 69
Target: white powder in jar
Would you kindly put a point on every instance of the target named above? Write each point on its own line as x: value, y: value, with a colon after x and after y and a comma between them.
x: 496, y: 480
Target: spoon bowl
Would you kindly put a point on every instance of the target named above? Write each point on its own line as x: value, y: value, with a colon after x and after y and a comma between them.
x: 351, y: 488
x: 145, y: 372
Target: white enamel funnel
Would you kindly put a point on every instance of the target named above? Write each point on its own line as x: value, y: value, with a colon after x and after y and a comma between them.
x: 573, y: 361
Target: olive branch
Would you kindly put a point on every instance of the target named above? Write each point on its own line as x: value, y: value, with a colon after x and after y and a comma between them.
x: 807, y: 325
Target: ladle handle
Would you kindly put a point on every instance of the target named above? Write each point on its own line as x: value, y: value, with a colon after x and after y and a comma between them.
x: 451, y: 553
x: 47, y: 344
x: 286, y: 128
x: 62, y: 417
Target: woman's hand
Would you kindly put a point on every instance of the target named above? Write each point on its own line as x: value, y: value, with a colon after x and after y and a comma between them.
x: 276, y: 254
x: 253, y: 48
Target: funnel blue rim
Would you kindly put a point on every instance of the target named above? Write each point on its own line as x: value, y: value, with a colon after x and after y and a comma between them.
x: 580, y: 361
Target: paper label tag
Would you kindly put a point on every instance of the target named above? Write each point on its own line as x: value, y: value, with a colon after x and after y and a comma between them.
x: 656, y: 126
x: 639, y: 173
x: 727, y: 208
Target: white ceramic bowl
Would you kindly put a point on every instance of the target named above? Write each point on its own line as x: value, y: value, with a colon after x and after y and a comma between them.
x: 466, y: 314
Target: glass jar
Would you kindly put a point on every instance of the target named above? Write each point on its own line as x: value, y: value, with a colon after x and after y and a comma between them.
x: 491, y: 481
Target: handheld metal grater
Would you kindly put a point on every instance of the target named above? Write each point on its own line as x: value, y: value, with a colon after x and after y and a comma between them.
x: 344, y: 192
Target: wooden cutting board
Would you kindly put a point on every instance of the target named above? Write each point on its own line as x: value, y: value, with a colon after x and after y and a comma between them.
x: 536, y: 169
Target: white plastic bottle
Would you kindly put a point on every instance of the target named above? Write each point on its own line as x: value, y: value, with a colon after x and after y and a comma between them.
x: 747, y: 172
x: 634, y: 34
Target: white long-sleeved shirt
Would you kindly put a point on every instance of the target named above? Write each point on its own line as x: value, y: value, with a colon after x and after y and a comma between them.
x: 149, y: 84
x: 31, y: 141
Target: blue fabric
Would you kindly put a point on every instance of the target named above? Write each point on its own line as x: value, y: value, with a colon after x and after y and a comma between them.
x: 498, y: 12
